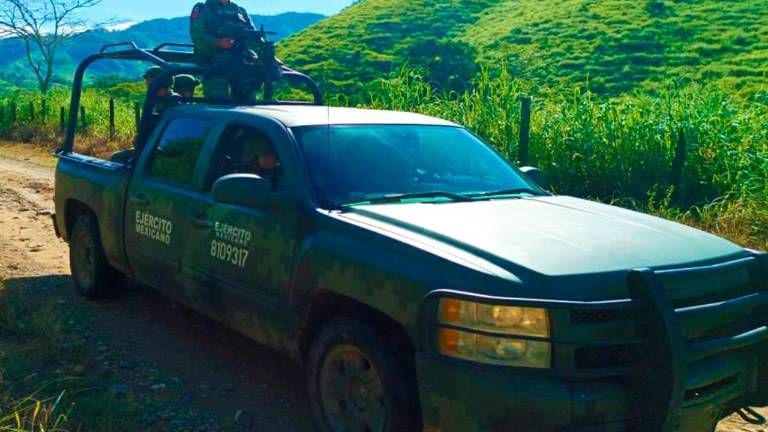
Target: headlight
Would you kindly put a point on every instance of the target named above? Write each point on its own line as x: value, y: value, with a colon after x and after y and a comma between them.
x: 503, y: 322
x: 513, y: 320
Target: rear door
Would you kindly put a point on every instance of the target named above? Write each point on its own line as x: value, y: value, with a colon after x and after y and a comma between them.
x: 155, y: 216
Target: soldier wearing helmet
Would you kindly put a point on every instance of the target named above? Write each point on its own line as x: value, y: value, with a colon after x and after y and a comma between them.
x: 214, y: 26
x: 185, y: 85
x: 161, y: 104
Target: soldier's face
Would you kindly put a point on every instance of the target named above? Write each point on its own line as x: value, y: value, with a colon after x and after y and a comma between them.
x: 265, y: 162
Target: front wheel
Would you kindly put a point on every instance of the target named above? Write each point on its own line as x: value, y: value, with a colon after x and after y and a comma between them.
x: 358, y: 384
x: 90, y: 271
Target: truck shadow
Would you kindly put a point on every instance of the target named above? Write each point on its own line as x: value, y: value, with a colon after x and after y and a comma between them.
x: 212, y: 368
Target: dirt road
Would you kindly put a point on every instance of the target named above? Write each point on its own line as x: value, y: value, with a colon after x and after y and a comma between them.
x: 155, y: 345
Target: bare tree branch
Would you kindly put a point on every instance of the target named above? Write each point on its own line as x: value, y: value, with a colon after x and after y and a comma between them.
x: 43, y: 26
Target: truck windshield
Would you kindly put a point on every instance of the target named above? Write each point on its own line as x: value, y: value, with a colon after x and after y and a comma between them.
x: 363, y: 164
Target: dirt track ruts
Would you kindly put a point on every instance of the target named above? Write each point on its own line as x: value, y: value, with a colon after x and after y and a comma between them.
x: 217, y: 371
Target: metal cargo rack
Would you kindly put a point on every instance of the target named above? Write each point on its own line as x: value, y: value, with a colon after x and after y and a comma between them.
x: 175, y: 61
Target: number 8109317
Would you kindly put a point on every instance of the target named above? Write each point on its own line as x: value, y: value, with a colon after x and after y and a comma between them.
x: 226, y: 252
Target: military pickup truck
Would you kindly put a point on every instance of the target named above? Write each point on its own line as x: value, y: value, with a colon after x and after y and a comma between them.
x: 425, y: 282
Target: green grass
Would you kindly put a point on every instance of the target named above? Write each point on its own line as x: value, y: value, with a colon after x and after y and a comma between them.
x: 616, y: 46
x: 48, y: 373
x: 39, y: 120
x: 95, y: 101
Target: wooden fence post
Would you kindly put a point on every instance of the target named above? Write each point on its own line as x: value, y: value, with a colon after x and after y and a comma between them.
x: 43, y: 109
x: 83, y: 120
x: 678, y: 166
x: 31, y: 111
x: 13, y: 112
x: 111, y: 119
x: 63, y: 119
x: 137, y: 114
x: 525, y: 129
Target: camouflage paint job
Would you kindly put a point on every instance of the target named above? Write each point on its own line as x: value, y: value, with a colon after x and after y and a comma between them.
x: 393, y: 258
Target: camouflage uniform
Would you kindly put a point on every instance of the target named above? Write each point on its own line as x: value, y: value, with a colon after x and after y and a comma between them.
x: 161, y: 104
x: 208, y: 22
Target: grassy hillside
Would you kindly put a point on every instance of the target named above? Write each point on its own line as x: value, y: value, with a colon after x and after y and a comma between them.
x: 615, y: 45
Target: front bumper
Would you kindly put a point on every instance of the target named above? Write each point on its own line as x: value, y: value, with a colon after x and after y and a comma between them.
x: 693, y: 344
x: 457, y: 398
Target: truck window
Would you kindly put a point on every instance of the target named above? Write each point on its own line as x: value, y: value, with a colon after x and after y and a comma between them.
x: 349, y: 163
x: 175, y: 156
x: 246, y: 150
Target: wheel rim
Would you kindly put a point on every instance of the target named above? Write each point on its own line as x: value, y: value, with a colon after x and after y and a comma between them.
x: 84, y: 259
x: 351, y: 392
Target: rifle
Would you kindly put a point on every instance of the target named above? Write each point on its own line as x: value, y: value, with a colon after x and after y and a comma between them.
x: 252, y: 49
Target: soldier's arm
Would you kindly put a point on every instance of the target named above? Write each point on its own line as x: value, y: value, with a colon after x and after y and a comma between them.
x: 198, y: 29
x: 247, y: 17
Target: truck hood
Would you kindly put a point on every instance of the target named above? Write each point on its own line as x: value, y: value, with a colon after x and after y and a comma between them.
x: 550, y: 235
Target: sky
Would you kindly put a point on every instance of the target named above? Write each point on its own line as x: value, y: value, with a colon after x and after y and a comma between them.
x: 140, y: 10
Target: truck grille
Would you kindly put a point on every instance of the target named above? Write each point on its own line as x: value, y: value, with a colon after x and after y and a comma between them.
x: 601, y: 357
x: 690, y: 338
x: 598, y: 316
x: 721, y: 302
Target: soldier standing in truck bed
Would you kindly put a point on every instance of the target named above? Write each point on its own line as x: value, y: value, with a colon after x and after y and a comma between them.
x: 209, y: 24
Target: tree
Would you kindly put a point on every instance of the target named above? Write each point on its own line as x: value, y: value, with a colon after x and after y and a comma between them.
x: 43, y: 26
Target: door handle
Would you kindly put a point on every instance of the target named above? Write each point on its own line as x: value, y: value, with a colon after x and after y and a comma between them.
x: 138, y: 200
x: 200, y: 221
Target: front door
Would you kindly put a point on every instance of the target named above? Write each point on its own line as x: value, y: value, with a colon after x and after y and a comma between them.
x: 155, y: 207
x: 242, y: 257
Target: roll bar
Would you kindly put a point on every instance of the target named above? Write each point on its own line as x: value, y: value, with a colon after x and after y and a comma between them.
x: 173, y: 62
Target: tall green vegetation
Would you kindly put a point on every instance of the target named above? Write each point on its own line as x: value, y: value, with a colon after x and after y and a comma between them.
x: 620, y: 149
x: 615, y: 149
x: 26, y: 117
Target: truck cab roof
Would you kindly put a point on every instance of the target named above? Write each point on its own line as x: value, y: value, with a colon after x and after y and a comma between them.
x: 313, y: 115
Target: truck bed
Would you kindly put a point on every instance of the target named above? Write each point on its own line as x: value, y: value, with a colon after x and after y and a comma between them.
x: 99, y: 186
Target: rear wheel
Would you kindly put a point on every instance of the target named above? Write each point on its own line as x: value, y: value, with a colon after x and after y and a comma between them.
x: 90, y: 271
x: 357, y: 383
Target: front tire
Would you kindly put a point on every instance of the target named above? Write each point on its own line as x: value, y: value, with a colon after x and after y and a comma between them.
x: 91, y: 273
x: 357, y: 383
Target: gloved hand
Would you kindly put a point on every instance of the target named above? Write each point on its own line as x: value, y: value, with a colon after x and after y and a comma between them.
x: 224, y: 43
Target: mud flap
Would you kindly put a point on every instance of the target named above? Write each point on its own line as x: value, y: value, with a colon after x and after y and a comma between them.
x: 694, y: 420
x: 55, y: 225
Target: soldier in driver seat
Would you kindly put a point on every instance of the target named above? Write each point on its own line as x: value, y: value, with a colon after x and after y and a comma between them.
x: 256, y: 155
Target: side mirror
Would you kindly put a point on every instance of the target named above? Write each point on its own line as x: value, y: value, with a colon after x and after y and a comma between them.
x: 536, y: 175
x: 241, y: 189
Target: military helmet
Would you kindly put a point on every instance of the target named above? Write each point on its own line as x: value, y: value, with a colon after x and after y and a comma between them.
x: 185, y: 83
x: 154, y: 72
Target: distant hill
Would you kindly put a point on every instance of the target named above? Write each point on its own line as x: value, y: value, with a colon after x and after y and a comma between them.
x: 145, y: 34
x: 616, y: 45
